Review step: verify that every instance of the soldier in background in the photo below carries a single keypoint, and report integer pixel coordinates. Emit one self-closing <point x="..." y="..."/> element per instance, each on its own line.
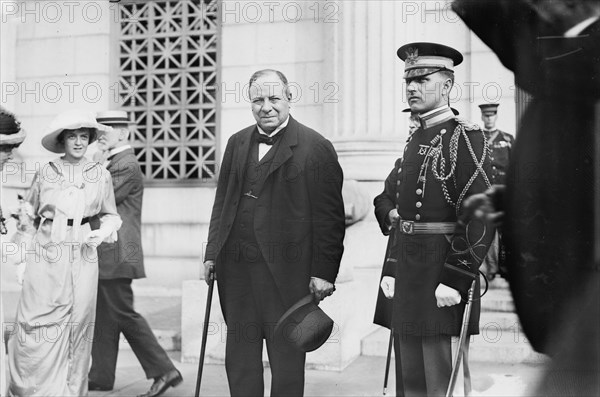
<point x="500" y="144"/>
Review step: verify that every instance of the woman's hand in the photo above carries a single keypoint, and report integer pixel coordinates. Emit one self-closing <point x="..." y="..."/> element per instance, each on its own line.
<point x="95" y="238"/>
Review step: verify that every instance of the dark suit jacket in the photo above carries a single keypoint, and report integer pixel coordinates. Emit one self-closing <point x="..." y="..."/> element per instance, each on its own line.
<point x="300" y="206"/>
<point x="125" y="258"/>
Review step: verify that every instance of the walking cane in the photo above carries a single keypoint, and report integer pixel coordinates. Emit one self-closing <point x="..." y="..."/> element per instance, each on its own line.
<point x="387" y="363"/>
<point x="461" y="342"/>
<point x="211" y="285"/>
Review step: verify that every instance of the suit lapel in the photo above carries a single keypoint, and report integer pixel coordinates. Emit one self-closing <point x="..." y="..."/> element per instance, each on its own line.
<point x="241" y="154"/>
<point x="284" y="152"/>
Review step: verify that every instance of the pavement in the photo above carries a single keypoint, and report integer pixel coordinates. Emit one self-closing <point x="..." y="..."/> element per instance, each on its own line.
<point x="363" y="377"/>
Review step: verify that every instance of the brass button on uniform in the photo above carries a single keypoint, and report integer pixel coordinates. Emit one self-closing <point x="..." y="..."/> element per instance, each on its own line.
<point x="419" y="204"/>
<point x="397" y="195"/>
<point x="419" y="192"/>
<point x="418" y="217"/>
<point x="398" y="183"/>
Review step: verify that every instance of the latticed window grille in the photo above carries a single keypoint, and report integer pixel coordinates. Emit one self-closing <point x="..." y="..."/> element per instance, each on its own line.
<point x="167" y="73"/>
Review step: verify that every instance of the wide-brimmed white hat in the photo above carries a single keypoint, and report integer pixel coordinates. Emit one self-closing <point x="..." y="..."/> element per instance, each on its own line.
<point x="70" y="120"/>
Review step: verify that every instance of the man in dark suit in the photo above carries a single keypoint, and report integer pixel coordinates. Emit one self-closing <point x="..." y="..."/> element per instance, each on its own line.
<point x="434" y="252"/>
<point x="119" y="264"/>
<point x="276" y="235"/>
<point x="550" y="204"/>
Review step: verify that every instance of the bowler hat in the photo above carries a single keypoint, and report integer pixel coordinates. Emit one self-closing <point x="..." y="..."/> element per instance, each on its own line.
<point x="69" y="120"/>
<point x="113" y="117"/>
<point x="304" y="326"/>
<point x="422" y="58"/>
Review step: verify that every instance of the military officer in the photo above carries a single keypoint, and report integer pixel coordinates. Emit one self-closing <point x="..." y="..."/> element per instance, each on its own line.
<point x="434" y="252"/>
<point x="500" y="144"/>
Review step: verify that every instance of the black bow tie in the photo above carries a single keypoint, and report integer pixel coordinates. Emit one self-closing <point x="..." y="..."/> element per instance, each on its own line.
<point x="269" y="140"/>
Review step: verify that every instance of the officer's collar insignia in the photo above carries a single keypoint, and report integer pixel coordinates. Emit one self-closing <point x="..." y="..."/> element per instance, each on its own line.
<point x="412" y="56"/>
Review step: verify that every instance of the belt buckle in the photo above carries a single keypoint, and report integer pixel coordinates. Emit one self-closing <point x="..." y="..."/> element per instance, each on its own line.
<point x="407" y="227"/>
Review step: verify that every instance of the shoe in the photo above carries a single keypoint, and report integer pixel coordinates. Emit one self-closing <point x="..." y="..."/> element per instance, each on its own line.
<point x="93" y="386"/>
<point x="162" y="383"/>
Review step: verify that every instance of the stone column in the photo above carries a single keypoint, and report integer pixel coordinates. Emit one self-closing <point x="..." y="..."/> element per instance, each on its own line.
<point x="366" y="117"/>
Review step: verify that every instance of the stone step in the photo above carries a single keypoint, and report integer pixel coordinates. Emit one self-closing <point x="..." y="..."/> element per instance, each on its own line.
<point x="499" y="320"/>
<point x="492" y="345"/>
<point x="497" y="300"/>
<point x="498" y="283"/>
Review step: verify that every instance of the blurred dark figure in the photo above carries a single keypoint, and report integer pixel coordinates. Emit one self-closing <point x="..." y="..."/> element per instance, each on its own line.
<point x="549" y="208"/>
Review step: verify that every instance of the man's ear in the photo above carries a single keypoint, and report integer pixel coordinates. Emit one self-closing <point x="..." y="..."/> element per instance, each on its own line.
<point x="448" y="86"/>
<point x="123" y="134"/>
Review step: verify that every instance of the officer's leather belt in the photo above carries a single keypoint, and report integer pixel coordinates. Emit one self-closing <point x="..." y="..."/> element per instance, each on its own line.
<point x="412" y="227"/>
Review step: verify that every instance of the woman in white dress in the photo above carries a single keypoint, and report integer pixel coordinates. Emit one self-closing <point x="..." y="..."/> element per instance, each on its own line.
<point x="11" y="136"/>
<point x="50" y="352"/>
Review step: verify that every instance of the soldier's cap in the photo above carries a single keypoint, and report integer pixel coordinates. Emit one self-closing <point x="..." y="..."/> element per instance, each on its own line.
<point x="113" y="117"/>
<point x="456" y="112"/>
<point x="489" y="108"/>
<point x="422" y="58"/>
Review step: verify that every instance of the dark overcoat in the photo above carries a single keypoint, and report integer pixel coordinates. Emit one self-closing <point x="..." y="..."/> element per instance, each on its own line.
<point x="299" y="219"/>
<point x="125" y="257"/>
<point x="550" y="205"/>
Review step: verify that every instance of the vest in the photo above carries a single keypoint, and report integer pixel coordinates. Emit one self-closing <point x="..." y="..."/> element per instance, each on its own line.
<point x="241" y="244"/>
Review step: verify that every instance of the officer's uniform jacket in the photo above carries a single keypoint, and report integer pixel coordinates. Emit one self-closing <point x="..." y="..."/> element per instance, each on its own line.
<point x="500" y="144"/>
<point x="444" y="161"/>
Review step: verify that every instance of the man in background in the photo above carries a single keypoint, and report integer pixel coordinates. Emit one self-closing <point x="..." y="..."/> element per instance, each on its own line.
<point x="119" y="264"/>
<point x="500" y="144"/>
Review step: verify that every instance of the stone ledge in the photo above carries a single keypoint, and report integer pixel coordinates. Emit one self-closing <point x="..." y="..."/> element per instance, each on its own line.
<point x="349" y="309"/>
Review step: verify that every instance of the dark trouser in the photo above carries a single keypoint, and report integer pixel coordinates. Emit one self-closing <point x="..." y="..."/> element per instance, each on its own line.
<point x="426" y="365"/>
<point x="253" y="307"/>
<point x="115" y="315"/>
